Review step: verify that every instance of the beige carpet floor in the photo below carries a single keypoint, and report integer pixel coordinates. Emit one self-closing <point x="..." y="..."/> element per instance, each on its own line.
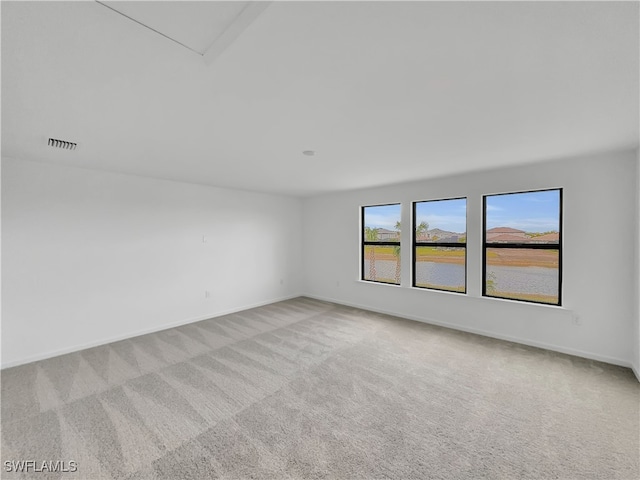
<point x="308" y="389"/>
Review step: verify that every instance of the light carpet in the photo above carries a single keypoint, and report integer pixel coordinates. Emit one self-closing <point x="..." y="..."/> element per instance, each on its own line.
<point x="309" y="389"/>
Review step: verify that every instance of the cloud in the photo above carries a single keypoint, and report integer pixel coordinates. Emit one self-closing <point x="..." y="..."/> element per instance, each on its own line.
<point x="375" y="220"/>
<point x="493" y="208"/>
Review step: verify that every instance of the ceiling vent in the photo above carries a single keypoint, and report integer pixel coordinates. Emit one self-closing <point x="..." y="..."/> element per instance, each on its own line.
<point x="54" y="142"/>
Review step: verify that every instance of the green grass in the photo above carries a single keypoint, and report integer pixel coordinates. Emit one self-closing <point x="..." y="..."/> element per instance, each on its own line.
<point x="379" y="250"/>
<point x="439" y="252"/>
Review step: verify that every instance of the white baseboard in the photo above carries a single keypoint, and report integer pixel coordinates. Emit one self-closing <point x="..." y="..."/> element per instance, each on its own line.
<point x="477" y="331"/>
<point x="636" y="371"/>
<point x="117" y="338"/>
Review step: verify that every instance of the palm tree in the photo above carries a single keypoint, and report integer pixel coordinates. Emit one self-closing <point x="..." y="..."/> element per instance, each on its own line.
<point x="420" y="229"/>
<point x="371" y="235"/>
<point x="396" y="252"/>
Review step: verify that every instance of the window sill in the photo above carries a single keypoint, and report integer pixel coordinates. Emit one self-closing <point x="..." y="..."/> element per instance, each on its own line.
<point x="435" y="290"/>
<point x="518" y="302"/>
<point x="379" y="283"/>
<point x="508" y="301"/>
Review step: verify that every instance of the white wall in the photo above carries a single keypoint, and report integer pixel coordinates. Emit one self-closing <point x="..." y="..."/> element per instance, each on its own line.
<point x="89" y="257"/>
<point x="636" y="336"/>
<point x="599" y="298"/>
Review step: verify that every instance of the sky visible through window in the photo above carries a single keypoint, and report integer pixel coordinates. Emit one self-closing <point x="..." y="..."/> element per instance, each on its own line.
<point x="383" y="216"/>
<point x="448" y="215"/>
<point x="532" y="211"/>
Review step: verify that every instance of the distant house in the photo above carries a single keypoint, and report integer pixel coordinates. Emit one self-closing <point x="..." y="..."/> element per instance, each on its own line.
<point x="387" y="235"/>
<point x="507" y="234"/>
<point x="439" y="235"/>
<point x="507" y="237"/>
<point x="450" y="239"/>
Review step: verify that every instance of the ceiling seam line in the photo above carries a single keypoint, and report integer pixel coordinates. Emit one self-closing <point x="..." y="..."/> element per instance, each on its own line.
<point x="235" y="19"/>
<point x="150" y="28"/>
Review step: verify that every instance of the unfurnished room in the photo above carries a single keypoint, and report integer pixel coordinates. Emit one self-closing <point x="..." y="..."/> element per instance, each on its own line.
<point x="320" y="239"/>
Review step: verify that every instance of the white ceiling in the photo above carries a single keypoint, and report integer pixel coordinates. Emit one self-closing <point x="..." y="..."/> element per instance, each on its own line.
<point x="194" y="24"/>
<point x="383" y="91"/>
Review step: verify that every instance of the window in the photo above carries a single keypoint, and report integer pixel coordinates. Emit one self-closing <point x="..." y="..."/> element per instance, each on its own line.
<point x="381" y="243"/>
<point x="522" y="246"/>
<point x="440" y="244"/>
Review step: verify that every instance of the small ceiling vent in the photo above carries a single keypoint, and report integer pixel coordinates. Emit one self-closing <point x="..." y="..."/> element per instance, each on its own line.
<point x="54" y="142"/>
